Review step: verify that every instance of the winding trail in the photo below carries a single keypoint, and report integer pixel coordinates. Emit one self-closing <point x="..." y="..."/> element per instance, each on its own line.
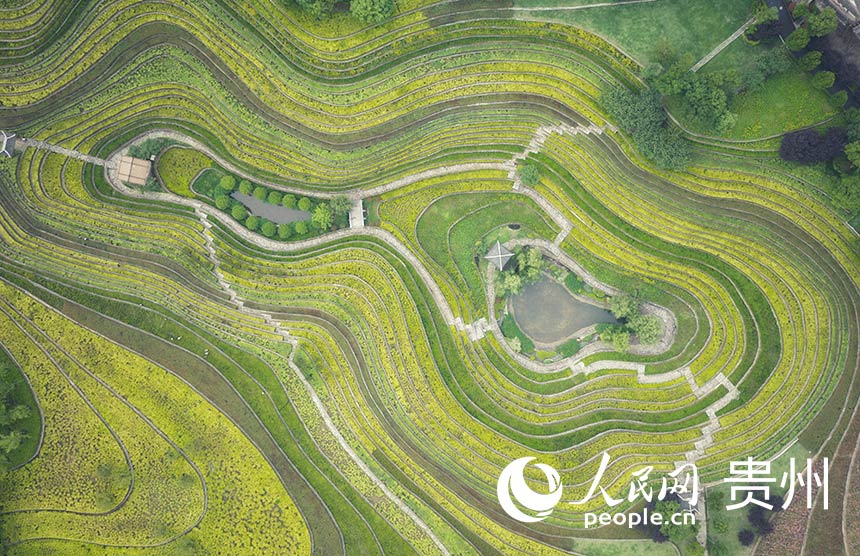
<point x="474" y="331"/>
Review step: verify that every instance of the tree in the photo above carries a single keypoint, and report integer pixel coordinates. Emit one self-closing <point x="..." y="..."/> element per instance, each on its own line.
<point x="822" y="23"/>
<point x="823" y="79"/>
<point x="807" y="146"/>
<point x="268" y="228"/>
<point x="288" y="201"/>
<point x="340" y="205"/>
<point x="624" y="305"/>
<point x="239" y="212"/>
<point x="773" y="62"/>
<point x="227" y="183"/>
<point x="839" y="98"/>
<point x="245" y="187"/>
<point x="252" y="222"/>
<point x="320" y="9"/>
<point x="284" y="231"/>
<point x="372" y="11"/>
<point x="322" y="217"/>
<point x="765" y="14"/>
<point x="260" y="192"/>
<point x="798" y="39"/>
<point x="852" y="153"/>
<point x="652" y="71"/>
<point x="852" y="121"/>
<point x="810" y="60"/>
<point x="647" y="328"/>
<point x="529" y="174"/>
<point x="516" y="344"/>
<point x="274" y="197"/>
<point x="300" y="227"/>
<point x="529" y="264"/>
<point x="746" y="537"/>
<point x="222" y="202"/>
<point x="304" y="204"/>
<point x="621" y="340"/>
<point x="800" y="11"/>
<point x="510" y="283"/>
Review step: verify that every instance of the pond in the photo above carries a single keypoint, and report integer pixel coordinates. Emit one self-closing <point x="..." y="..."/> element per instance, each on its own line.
<point x="548" y="314"/>
<point x="275" y="213"/>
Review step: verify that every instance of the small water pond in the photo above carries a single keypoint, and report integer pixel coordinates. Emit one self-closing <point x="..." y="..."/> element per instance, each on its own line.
<point x="275" y="213"/>
<point x="547" y="312"/>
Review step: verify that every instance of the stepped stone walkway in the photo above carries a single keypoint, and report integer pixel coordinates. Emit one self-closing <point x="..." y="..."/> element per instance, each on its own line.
<point x="478" y="329"/>
<point x="285" y="334"/>
<point x="45" y="146"/>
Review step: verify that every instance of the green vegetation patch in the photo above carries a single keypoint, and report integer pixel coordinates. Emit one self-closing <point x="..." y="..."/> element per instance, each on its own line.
<point x="20" y="421"/>
<point x="179" y="166"/>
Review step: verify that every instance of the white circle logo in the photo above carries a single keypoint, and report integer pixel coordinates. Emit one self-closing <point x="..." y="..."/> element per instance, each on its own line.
<point x="512" y="481"/>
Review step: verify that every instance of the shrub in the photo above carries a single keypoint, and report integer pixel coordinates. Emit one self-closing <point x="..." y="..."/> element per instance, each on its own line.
<point x="274" y="197"/>
<point x="222" y="202"/>
<point x="300" y="227"/>
<point x="239" y="212"/>
<point x="746" y="537"/>
<point x="304" y="204"/>
<point x="288" y="201"/>
<point x="246" y="187"/>
<point x="227" y="183"/>
<point x="252" y="222"/>
<point x="260" y="193"/>
<point x="284" y="231"/>
<point x="268" y="228"/>
<point x="569" y="348"/>
<point x="573" y="282"/>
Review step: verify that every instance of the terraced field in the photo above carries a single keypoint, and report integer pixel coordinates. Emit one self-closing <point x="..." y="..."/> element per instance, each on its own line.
<point x="207" y="390"/>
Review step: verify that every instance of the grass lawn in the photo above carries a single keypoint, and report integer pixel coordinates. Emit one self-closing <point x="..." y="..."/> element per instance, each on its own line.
<point x="207" y="182"/>
<point x="785" y="102"/>
<point x="637" y="28"/>
<point x="177" y="167"/>
<point x="736" y="520"/>
<point x="21" y="394"/>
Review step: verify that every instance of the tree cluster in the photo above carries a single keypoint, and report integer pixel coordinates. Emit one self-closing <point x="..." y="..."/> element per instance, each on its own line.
<point x="524" y="269"/>
<point x="808" y="146"/>
<point x="642" y="115"/>
<point x="12" y="412"/>
<point x="369" y="11"/>
<point x="627" y="308"/>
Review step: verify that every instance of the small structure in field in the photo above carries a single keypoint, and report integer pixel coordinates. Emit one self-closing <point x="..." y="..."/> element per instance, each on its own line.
<point x="499" y="255"/>
<point x="7" y="144"/>
<point x="134" y="170"/>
